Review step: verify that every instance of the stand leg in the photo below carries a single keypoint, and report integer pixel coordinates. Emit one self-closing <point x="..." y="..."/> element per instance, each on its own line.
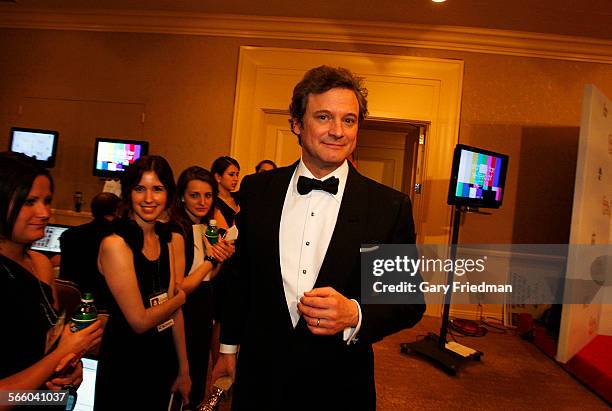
<point x="433" y="347"/>
<point x="429" y="348"/>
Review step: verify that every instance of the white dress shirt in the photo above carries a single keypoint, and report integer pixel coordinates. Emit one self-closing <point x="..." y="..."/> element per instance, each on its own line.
<point x="306" y="227"/>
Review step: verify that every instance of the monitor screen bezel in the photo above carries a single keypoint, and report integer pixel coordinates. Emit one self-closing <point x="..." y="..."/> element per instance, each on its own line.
<point x="49" y="163"/>
<point x="475" y="202"/>
<point x="109" y="173"/>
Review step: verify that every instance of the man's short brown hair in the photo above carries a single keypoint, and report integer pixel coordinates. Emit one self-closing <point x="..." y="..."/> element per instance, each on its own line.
<point x="321" y="79"/>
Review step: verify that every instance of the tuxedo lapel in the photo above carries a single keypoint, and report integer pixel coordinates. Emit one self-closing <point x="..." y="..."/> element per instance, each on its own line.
<point x="271" y="213"/>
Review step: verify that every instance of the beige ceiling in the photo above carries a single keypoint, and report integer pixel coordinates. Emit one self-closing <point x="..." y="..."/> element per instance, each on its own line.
<point x="588" y="18"/>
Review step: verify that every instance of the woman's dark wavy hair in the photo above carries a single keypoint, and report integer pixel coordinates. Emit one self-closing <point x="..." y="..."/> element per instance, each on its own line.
<point x="178" y="213"/>
<point x="222" y="163"/>
<point x="133" y="174"/>
<point x="321" y="79"/>
<point x="17" y="174"/>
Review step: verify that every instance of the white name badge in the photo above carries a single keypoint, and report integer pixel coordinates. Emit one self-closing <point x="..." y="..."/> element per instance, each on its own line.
<point x="157" y="300"/>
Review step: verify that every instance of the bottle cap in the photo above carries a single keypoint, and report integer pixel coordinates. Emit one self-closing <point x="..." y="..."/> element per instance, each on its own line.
<point x="87" y="298"/>
<point x="212" y="222"/>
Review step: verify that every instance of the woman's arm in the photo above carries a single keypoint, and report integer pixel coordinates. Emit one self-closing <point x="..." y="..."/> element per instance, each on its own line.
<point x="221" y="251"/>
<point x="193" y="280"/>
<point x="177" y="258"/>
<point x="37" y="374"/>
<point x="116" y="263"/>
<point x="70" y="345"/>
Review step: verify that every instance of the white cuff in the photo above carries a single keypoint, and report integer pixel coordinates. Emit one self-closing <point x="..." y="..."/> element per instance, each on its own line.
<point x="350" y="333"/>
<point x="228" y="349"/>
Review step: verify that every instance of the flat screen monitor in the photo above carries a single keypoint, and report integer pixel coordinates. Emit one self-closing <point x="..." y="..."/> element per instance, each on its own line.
<point x="112" y="156"/>
<point x="38" y="144"/>
<point x="478" y="177"/>
<point x="50" y="243"/>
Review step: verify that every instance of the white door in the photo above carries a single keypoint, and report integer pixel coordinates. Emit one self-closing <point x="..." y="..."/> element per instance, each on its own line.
<point x="280" y="144"/>
<point x="392" y="154"/>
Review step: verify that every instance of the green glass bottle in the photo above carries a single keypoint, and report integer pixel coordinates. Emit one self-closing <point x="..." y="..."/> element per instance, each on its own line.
<point x="211" y="233"/>
<point x="85" y="314"/>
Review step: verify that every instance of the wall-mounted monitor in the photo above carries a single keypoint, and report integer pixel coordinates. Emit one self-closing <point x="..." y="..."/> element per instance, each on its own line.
<point x="113" y="156"/>
<point x="478" y="177"/>
<point x="38" y="144"/>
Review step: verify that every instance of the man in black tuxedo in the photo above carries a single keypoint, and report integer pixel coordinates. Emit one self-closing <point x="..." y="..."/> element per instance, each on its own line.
<point x="80" y="244"/>
<point x="304" y="338"/>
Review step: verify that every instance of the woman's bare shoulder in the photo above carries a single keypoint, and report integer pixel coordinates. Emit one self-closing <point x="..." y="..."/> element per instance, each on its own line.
<point x="113" y="241"/>
<point x="43" y="269"/>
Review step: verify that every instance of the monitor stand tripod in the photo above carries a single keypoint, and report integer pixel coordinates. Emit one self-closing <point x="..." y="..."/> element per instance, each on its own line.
<point x="449" y="357"/>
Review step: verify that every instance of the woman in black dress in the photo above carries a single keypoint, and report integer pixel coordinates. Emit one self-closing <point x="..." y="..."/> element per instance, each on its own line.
<point x="143" y="357"/>
<point x="190" y="213"/>
<point x="32" y="353"/>
<point x="226" y="171"/>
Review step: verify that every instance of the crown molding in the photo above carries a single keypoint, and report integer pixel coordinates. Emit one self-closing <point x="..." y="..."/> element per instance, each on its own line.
<point x="477" y="40"/>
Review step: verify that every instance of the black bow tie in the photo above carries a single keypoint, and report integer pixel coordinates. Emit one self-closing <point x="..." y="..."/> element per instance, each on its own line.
<point x="305" y="185"/>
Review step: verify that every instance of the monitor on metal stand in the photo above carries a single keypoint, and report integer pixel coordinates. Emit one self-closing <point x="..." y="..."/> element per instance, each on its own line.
<point x="477" y="181"/>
